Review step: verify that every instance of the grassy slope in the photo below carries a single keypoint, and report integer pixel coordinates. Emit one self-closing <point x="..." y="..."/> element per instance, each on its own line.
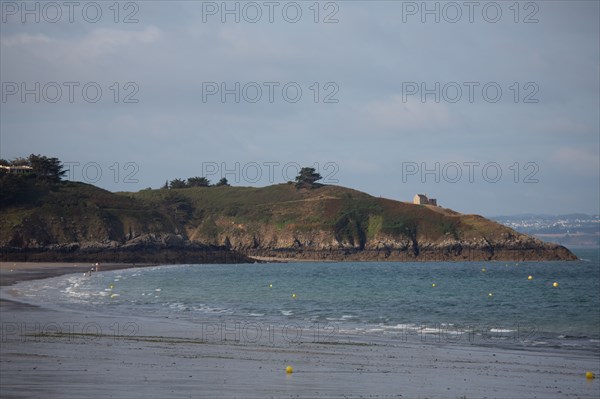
<point x="71" y="211"/>
<point x="251" y="217"/>
<point x="351" y="215"/>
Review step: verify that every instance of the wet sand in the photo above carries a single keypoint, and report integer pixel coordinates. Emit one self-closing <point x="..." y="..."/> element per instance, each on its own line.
<point x="13" y="272"/>
<point x="66" y="354"/>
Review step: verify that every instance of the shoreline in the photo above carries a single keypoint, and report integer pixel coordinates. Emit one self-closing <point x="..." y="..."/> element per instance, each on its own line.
<point x="57" y="353"/>
<point x="14" y="272"/>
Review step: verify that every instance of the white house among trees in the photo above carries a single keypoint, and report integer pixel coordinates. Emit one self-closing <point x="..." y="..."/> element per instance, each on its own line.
<point x="17" y="170"/>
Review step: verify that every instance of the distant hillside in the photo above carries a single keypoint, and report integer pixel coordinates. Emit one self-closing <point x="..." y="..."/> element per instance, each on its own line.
<point x="279" y="221"/>
<point x="575" y="230"/>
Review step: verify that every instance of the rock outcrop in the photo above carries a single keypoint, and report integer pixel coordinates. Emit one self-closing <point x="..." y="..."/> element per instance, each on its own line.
<point x="79" y="222"/>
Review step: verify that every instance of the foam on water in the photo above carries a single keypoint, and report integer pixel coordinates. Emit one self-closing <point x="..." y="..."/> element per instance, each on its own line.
<point x="395" y="299"/>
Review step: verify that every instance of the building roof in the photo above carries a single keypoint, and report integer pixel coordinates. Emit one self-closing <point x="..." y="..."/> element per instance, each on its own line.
<point x="18" y="167"/>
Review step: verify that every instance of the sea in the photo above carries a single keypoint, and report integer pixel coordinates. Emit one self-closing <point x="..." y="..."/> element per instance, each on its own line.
<point x="508" y="304"/>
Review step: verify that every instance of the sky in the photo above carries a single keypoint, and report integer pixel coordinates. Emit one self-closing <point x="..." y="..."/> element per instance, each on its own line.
<point x="490" y="107"/>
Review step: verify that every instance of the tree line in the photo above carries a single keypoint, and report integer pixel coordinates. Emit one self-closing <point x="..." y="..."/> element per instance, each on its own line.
<point x="43" y="168"/>
<point x="50" y="169"/>
<point x="307" y="178"/>
<point x="193" y="182"/>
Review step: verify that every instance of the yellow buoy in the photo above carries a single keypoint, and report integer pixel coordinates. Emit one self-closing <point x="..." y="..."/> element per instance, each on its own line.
<point x="433" y="285"/>
<point x="589" y="375"/>
<point x="483" y="270"/>
<point x="555" y="284"/>
<point x="529" y="277"/>
<point x="293" y="295"/>
<point x="490" y="294"/>
<point x="289" y="370"/>
<point x="270" y="285"/>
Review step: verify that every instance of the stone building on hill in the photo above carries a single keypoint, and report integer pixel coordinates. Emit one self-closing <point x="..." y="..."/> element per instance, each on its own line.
<point x="421" y="199"/>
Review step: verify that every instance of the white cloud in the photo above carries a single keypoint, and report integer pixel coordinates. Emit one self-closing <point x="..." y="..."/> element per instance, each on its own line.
<point x="580" y="161"/>
<point x="105" y="41"/>
<point x="410" y="115"/>
<point x="24" y="39"/>
<point x="239" y="42"/>
<point x="75" y="50"/>
<point x="559" y="125"/>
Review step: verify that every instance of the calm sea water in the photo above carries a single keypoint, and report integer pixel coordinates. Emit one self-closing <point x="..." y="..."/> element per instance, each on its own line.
<point x="492" y="299"/>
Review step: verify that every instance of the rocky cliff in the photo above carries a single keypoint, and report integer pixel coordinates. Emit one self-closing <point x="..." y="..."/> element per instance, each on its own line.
<point x="75" y="221"/>
<point x="79" y="222"/>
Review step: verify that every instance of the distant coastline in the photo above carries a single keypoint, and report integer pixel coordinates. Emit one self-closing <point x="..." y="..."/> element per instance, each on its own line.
<point x="577" y="230"/>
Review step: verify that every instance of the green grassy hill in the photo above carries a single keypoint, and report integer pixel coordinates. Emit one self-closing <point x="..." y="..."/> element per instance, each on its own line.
<point x="76" y="212"/>
<point x="279" y="221"/>
<point x="331" y="222"/>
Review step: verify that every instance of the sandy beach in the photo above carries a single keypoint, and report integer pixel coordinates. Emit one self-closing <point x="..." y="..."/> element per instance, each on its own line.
<point x="54" y="353"/>
<point x="13" y="272"/>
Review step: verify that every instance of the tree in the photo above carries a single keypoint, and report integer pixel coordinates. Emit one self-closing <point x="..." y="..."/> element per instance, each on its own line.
<point x="198" y="182"/>
<point x="45" y="168"/>
<point x="13" y="189"/>
<point x="178" y="183"/>
<point x="166" y="185"/>
<point x="222" y="182"/>
<point x="307" y="178"/>
<point x="20" y="161"/>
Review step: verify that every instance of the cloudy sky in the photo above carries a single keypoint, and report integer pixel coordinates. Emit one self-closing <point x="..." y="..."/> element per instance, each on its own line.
<point x="492" y="108"/>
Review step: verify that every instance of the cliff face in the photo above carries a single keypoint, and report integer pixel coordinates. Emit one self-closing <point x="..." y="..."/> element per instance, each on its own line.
<point x="222" y="224"/>
<point x="80" y="222"/>
<point x="324" y="245"/>
<point x="365" y="243"/>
